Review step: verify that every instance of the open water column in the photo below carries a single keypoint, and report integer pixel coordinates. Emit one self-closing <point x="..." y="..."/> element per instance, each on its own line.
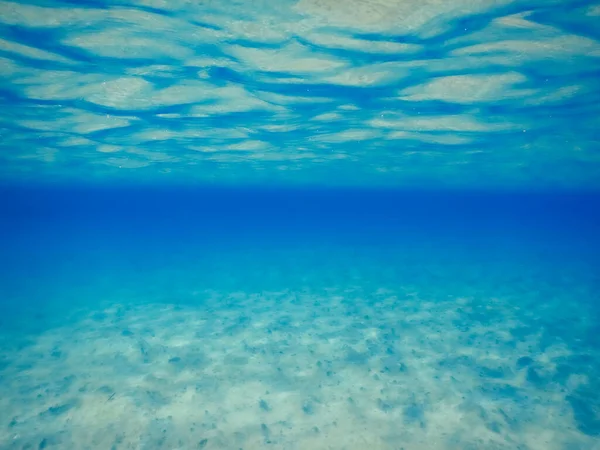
<point x="300" y="225"/>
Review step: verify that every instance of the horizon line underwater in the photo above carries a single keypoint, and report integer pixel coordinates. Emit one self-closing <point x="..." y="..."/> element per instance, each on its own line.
<point x="302" y="224"/>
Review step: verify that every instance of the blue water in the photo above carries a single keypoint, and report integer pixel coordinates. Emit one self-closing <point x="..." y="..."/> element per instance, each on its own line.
<point x="165" y="318"/>
<point x="300" y="225"/>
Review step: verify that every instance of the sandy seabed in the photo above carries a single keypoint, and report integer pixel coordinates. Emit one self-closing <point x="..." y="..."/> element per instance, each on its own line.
<point x="337" y="368"/>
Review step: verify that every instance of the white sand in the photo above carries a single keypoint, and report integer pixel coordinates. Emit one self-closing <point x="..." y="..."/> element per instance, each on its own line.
<point x="330" y="369"/>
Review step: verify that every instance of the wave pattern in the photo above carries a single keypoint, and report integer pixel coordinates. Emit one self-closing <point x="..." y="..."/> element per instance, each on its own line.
<point x="392" y="92"/>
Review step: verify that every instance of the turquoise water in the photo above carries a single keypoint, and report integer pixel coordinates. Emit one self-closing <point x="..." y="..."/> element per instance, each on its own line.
<point x="300" y="225"/>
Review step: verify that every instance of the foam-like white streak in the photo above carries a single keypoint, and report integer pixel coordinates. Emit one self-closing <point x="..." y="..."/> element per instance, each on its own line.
<point x="151" y="134"/>
<point x="327" y="117"/>
<point x="370" y="74"/>
<point x="57" y="85"/>
<point x="151" y="156"/>
<point x="245" y="105"/>
<point x="86" y="144"/>
<point x="14" y="13"/>
<point x="119" y="93"/>
<point x="158" y="135"/>
<point x="154" y="70"/>
<point x="290" y="80"/>
<point x="31" y="52"/>
<point x="129" y="33"/>
<point x="137" y="93"/>
<point x="292" y="58"/>
<point x="231" y="99"/>
<point x="124" y="43"/>
<point x="287" y="155"/>
<point x="439" y="123"/>
<point x="76" y="141"/>
<point x="108" y="148"/>
<point x="126" y="92"/>
<point x="343" y="42"/>
<point x="87" y="122"/>
<point x="76" y="121"/>
<point x="165" y="5"/>
<point x="185" y="92"/>
<point x="249" y="145"/>
<point x="470" y="88"/>
<point x="423" y="17"/>
<point x="8" y="68"/>
<point x="347" y="136"/>
<point x="445" y="139"/>
<point x="482" y="62"/>
<point x="47" y="155"/>
<point x="286" y="100"/>
<point x="280" y="128"/>
<point x="263" y="30"/>
<point x="206" y="62"/>
<point x="555" y="47"/>
<point x="516" y="22"/>
<point x="555" y="95"/>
